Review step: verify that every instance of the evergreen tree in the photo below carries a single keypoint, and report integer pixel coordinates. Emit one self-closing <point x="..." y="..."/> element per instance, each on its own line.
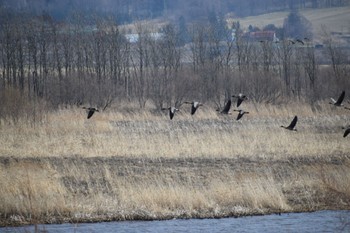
<point x="183" y="32"/>
<point x="297" y="26"/>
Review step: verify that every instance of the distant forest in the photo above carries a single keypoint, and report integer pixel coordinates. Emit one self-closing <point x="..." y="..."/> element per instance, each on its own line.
<point x="130" y="10"/>
<point x="51" y="55"/>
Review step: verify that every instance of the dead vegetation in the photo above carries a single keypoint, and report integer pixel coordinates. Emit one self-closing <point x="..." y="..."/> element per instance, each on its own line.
<point x="79" y="189"/>
<point x="122" y="165"/>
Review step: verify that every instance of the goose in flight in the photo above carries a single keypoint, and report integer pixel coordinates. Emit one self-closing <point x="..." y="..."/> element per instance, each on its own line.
<point x="172" y="111"/>
<point x="195" y="106"/>
<point x="292" y="124"/>
<point x="300" y="41"/>
<point x="240" y="97"/>
<point x="90" y="111"/>
<point x="226" y="109"/>
<point x="240" y="113"/>
<point x="338" y="103"/>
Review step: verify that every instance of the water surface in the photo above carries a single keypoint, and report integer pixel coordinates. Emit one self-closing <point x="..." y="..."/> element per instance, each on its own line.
<point x="320" y="221"/>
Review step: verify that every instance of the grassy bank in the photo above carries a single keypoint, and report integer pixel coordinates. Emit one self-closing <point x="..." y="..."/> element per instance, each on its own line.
<point x="127" y="164"/>
<point x="93" y="189"/>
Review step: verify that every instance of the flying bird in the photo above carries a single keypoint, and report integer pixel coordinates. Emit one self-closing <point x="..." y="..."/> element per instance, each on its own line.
<point x="226" y="109"/>
<point x="172" y="111"/>
<point x="300" y="41"/>
<point x="240" y="97"/>
<point x="90" y="111"/>
<point x="347" y="131"/>
<point x="338" y="103"/>
<point x="240" y="113"/>
<point x="292" y="124"/>
<point x="195" y="106"/>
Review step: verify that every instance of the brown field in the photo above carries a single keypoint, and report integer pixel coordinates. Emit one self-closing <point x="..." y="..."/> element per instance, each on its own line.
<point x="126" y="163"/>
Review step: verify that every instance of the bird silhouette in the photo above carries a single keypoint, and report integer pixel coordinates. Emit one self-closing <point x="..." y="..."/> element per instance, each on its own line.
<point x="172" y="111"/>
<point x="90" y="111"/>
<point x="291" y="126"/>
<point x="338" y="103"/>
<point x="240" y="113"/>
<point x="300" y="41"/>
<point x="226" y="109"/>
<point x="195" y="106"/>
<point x="240" y="97"/>
<point x="347" y="131"/>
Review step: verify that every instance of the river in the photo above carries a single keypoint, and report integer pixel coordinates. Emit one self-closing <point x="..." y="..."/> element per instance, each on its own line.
<point x="320" y="221"/>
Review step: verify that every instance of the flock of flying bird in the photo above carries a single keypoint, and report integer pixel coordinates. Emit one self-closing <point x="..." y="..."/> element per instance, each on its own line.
<point x="226" y="110"/>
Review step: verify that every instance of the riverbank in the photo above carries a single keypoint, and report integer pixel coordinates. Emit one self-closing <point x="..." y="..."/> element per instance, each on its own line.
<point x="76" y="189"/>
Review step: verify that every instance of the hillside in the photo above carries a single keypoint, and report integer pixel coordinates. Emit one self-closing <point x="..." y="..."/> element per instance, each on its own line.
<point x="334" y="19"/>
<point x="191" y="10"/>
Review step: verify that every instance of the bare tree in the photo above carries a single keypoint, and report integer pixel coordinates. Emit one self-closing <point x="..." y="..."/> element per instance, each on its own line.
<point x="198" y="45"/>
<point x="310" y="65"/>
<point x="336" y="55"/>
<point x="243" y="52"/>
<point x="165" y="65"/>
<point x="140" y="61"/>
<point x="267" y="53"/>
<point x="285" y="52"/>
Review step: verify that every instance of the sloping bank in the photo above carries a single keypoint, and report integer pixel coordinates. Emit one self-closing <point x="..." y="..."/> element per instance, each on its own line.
<point x="77" y="189"/>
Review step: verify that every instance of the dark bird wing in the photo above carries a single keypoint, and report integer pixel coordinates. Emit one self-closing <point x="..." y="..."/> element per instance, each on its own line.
<point x="193" y="109"/>
<point x="172" y="111"/>
<point x="347" y="131"/>
<point x="239" y="116"/>
<point x="341" y="98"/>
<point x="293" y="123"/>
<point x="90" y="113"/>
<point x="300" y="41"/>
<point x="239" y="101"/>
<point x="171" y="114"/>
<point x="227" y="107"/>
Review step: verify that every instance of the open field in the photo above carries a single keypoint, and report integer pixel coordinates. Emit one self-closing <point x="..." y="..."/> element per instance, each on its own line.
<point x="128" y="131"/>
<point x="134" y="164"/>
<point x="334" y="19"/>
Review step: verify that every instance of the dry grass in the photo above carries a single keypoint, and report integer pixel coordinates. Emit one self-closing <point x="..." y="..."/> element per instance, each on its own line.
<point x="141" y="165"/>
<point x="92" y="189"/>
<point x="206" y="134"/>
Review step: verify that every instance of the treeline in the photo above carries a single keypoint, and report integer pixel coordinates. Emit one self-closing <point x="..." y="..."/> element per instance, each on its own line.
<point x="76" y="63"/>
<point x="129" y="11"/>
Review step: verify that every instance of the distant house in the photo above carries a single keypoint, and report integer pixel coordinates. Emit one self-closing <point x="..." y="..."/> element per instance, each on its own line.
<point x="261" y="36"/>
